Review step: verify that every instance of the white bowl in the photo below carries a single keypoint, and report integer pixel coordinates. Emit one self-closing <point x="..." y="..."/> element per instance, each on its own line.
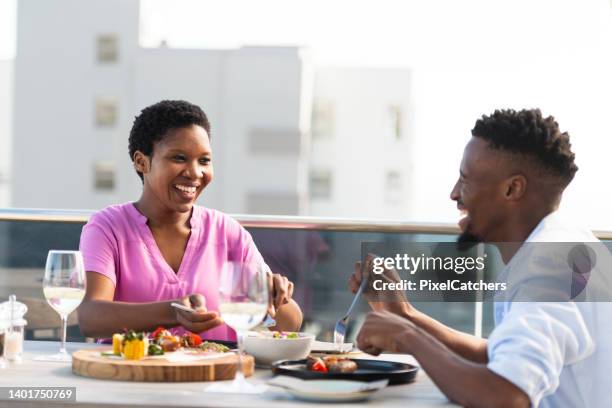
<point x="266" y="349"/>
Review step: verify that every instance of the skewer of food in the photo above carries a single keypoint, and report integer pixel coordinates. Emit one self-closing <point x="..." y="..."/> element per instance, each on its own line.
<point x="133" y="345"/>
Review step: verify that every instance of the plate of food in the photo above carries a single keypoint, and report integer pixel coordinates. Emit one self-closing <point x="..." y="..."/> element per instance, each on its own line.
<point x="161" y="343"/>
<point x="160" y="356"/>
<point x="339" y="367"/>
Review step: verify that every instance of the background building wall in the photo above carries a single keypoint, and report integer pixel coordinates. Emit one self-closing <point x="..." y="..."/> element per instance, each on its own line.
<point x="58" y="80"/>
<point x="362" y="137"/>
<point x="82" y="78"/>
<point x="74" y="112"/>
<point x="6" y="119"/>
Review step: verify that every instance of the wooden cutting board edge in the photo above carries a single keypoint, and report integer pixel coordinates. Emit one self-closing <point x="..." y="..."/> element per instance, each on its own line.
<point x="87" y="364"/>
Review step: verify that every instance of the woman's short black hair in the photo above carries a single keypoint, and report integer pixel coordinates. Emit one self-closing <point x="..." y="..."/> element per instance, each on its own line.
<point x="527" y="132"/>
<point x="156" y="120"/>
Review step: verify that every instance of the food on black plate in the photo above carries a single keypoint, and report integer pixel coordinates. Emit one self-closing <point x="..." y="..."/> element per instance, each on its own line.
<point x="340" y="364"/>
<point x="316" y="364"/>
<point x="331" y="364"/>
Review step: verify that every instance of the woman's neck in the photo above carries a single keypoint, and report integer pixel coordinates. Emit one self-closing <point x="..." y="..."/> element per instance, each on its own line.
<point x="159" y="216"/>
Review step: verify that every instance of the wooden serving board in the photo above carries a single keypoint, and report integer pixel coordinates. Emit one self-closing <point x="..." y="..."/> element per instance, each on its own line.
<point x="89" y="363"/>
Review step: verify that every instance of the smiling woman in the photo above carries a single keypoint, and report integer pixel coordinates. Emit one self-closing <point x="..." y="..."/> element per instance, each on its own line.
<point x="179" y="171"/>
<point x="140" y="257"/>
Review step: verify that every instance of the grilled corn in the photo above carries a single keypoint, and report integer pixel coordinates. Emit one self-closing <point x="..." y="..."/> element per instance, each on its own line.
<point x="117" y="343"/>
<point x="135" y="346"/>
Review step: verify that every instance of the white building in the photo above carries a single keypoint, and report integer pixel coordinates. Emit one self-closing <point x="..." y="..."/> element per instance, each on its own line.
<point x="81" y="77"/>
<point x="260" y="119"/>
<point x="361" y="137"/>
<point x="72" y="101"/>
<point x="6" y="116"/>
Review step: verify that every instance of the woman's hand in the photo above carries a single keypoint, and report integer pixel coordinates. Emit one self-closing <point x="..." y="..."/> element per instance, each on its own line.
<point x="280" y="292"/>
<point x="393" y="301"/>
<point x="200" y="321"/>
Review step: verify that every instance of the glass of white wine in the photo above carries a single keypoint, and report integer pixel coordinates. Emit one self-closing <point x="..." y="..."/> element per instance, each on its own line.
<point x="64" y="289"/>
<point x="243" y="303"/>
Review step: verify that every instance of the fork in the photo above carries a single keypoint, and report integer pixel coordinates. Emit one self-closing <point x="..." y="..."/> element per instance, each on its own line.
<point x="268" y="321"/>
<point x="340" y="327"/>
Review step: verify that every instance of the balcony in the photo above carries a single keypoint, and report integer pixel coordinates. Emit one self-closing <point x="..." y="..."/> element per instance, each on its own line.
<point x="316" y="254"/>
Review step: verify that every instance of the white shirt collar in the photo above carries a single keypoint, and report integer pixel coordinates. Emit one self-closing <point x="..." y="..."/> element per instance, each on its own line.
<point x="549" y="220"/>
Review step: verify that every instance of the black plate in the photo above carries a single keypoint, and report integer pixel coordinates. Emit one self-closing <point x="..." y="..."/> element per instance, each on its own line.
<point x="367" y="370"/>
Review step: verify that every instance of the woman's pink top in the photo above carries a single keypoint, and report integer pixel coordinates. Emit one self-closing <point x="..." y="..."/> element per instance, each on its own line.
<point x="117" y="243"/>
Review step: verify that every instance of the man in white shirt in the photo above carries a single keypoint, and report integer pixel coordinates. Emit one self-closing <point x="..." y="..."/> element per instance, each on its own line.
<point x="544" y="354"/>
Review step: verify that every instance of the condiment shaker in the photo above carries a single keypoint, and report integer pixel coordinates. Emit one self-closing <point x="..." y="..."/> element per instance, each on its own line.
<point x="14" y="328"/>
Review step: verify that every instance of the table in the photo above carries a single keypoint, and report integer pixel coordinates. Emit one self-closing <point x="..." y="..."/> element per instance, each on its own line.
<point x="103" y="393"/>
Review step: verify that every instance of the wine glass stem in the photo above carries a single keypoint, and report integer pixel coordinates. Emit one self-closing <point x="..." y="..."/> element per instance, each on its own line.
<point x="240" y="341"/>
<point x="63" y="343"/>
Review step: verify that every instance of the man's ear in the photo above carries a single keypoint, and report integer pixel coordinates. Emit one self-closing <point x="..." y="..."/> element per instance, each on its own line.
<point x="142" y="162"/>
<point x="516" y="187"/>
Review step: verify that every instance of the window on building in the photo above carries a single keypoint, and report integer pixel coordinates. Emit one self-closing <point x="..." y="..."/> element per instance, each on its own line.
<point x="106" y="111"/>
<point x="395" y="121"/>
<point x="323" y="119"/>
<point x="273" y="202"/>
<point x="104" y="175"/>
<point x="320" y="184"/>
<point x="275" y="140"/>
<point x="393" y="187"/>
<point x="107" y="46"/>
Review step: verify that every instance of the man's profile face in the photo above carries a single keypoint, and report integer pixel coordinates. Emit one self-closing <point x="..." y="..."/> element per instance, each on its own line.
<point x="479" y="192"/>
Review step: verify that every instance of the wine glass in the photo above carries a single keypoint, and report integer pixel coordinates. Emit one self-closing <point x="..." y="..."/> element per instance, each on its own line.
<point x="64" y="289"/>
<point x="243" y="303"/>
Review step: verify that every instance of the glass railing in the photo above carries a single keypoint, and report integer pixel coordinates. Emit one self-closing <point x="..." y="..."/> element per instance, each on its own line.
<point x="316" y="254"/>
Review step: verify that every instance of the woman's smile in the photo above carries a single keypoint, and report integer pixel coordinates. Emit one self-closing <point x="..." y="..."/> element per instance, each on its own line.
<point x="187" y="192"/>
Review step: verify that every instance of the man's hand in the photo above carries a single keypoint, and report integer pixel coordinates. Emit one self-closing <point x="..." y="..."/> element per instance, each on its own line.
<point x="280" y="292"/>
<point x="200" y="321"/>
<point x="385" y="331"/>
<point x="393" y="301"/>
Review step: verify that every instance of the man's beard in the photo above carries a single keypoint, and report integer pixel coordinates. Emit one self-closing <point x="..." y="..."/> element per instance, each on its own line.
<point x="467" y="241"/>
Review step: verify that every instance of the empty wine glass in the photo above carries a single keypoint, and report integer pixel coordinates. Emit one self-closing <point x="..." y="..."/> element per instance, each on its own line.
<point x="243" y="302"/>
<point x="64" y="289"/>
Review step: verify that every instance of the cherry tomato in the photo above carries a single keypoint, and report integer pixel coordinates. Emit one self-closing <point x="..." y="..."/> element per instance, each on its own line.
<point x="319" y="366"/>
<point x="192" y="340"/>
<point x="157" y="331"/>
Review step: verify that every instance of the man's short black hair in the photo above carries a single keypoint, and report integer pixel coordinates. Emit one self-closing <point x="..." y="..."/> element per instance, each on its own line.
<point x="527" y="132"/>
<point x="156" y="120"/>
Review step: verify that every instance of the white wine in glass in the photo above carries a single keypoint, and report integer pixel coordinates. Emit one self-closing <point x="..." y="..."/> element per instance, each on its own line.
<point x="64" y="300"/>
<point x="243" y="303"/>
<point x="64" y="289"/>
<point x="242" y="315"/>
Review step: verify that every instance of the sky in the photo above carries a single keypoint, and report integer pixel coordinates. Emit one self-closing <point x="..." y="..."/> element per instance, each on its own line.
<point x="381" y="32"/>
<point x="468" y="58"/>
<point x="8" y="25"/>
